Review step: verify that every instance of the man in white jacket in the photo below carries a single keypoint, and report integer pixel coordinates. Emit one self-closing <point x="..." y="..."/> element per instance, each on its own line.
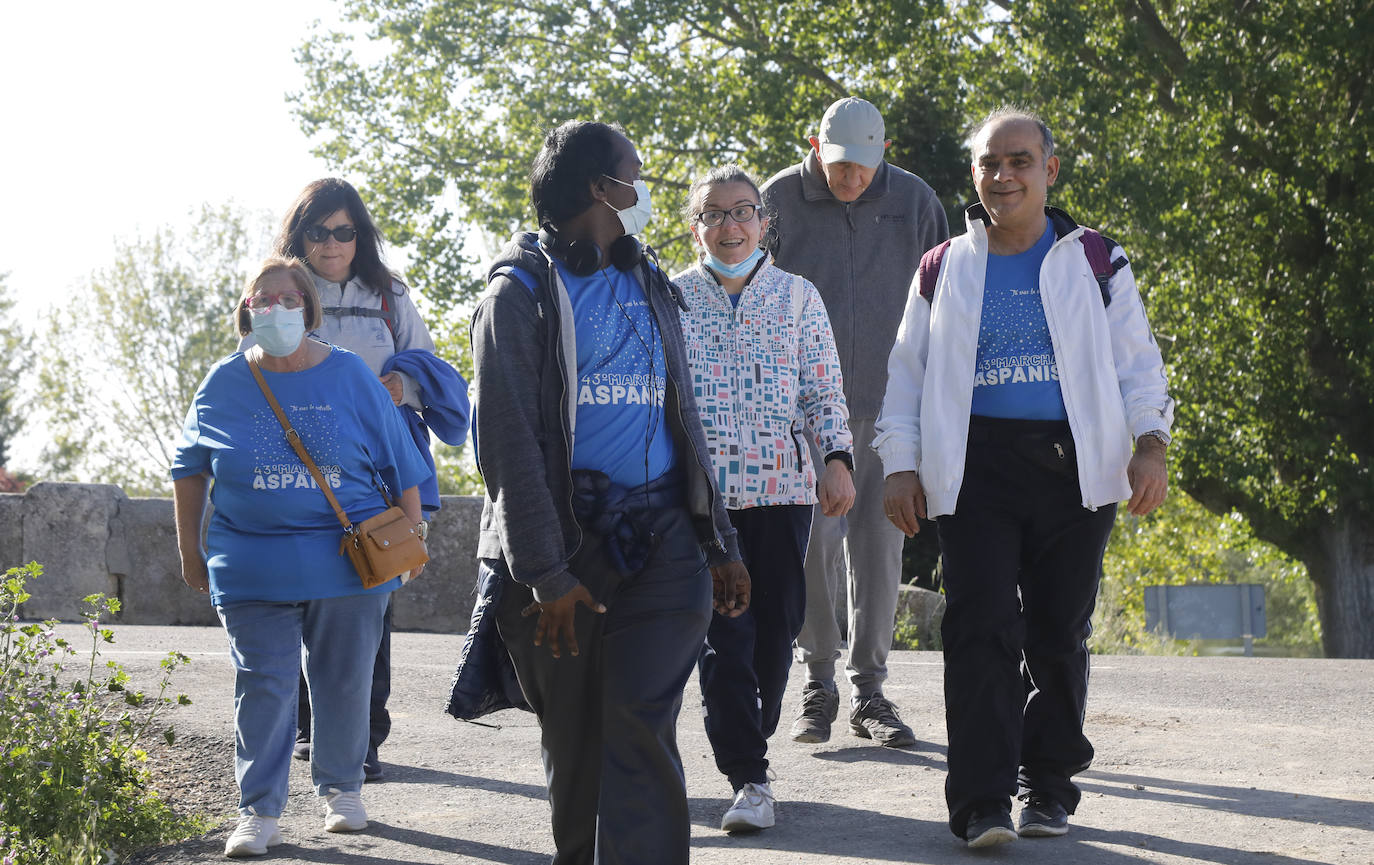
<point x="1023" y="370"/>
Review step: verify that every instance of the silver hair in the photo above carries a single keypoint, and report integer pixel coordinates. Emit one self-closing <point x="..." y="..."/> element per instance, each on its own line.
<point x="1011" y="111"/>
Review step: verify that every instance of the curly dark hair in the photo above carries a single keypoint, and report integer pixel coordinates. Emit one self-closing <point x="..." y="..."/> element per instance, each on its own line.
<point x="574" y="154"/>
<point x="314" y="205"/>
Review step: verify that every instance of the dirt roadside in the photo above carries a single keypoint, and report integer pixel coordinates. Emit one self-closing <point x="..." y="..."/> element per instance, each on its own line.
<point x="1199" y="760"/>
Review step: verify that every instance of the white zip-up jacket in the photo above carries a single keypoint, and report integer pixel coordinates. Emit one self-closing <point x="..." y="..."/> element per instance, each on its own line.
<point x="1111" y="373"/>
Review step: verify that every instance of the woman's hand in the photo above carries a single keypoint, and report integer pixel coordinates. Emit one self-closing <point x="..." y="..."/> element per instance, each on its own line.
<point x="413" y="573"/>
<point x="195" y="574"/>
<point x="731" y="589"/>
<point x="188" y="502"/>
<point x="392" y="382"/>
<point x="836" y="489"/>
<point x="557" y="619"/>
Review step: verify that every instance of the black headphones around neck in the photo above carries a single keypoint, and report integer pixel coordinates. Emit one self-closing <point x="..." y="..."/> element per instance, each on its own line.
<point x="583" y="257"/>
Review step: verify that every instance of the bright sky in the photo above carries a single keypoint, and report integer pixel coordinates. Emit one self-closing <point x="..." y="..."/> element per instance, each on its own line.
<point x="120" y="117"/>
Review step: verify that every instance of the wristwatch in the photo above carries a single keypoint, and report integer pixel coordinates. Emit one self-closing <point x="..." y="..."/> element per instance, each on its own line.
<point x="843" y="456"/>
<point x="422" y="529"/>
<point x="1164" y="438"/>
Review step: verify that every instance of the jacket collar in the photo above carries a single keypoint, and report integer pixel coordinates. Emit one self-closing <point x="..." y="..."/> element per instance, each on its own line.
<point x="1061" y="222"/>
<point x="814" y="187"/>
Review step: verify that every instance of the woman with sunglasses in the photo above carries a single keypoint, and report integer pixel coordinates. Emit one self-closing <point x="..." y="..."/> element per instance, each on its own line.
<point x="270" y="560"/>
<point x="766" y="371"/>
<point x="368" y="310"/>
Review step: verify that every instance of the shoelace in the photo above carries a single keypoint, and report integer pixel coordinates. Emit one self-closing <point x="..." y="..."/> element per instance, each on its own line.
<point x="882" y="710"/>
<point x="757" y="795"/>
<point x="814" y="700"/>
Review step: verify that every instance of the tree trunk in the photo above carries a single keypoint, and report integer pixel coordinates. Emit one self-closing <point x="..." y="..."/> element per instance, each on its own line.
<point x="1343" y="573"/>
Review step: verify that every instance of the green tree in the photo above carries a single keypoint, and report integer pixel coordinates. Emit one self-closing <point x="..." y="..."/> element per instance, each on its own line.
<point x="138" y="344"/>
<point x="1225" y="142"/>
<point x="444" y="124"/>
<point x="1184" y="543"/>
<point x="1228" y="144"/>
<point x="15" y="359"/>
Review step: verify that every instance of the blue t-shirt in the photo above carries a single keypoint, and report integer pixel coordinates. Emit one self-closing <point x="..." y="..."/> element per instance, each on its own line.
<point x="273" y="536"/>
<point x="1016" y="375"/>
<point x="621" y="379"/>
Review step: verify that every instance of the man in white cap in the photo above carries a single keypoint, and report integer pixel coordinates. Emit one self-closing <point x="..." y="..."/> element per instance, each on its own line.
<point x="856" y="226"/>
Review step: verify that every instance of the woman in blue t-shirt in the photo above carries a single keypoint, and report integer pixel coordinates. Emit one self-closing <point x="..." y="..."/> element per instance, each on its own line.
<point x="271" y="560"/>
<point x="368" y="310"/>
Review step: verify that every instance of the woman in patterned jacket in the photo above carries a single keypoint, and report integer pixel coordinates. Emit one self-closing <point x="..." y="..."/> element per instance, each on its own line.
<point x="765" y="369"/>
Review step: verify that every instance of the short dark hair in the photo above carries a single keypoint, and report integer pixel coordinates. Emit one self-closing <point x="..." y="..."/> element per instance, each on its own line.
<point x="573" y="155"/>
<point x="1011" y="111"/>
<point x="317" y="201"/>
<point x="299" y="272"/>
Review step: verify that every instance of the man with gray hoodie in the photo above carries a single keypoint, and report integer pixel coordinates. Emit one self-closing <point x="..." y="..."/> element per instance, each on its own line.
<point x="856" y="226"/>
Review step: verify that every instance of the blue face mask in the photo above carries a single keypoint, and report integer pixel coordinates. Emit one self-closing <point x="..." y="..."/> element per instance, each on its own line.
<point x="733" y="271"/>
<point x="279" y="330"/>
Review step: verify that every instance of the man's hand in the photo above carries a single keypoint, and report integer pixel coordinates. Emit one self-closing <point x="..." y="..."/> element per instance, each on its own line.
<point x="836" y="489"/>
<point x="904" y="501"/>
<point x="730" y="588"/>
<point x="557" y="619"/>
<point x="394" y="386"/>
<point x="1148" y="472"/>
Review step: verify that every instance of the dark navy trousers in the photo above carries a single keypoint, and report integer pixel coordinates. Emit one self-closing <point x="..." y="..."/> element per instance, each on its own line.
<point x="744" y="664"/>
<point x="1022" y="562"/>
<point x="608" y="716"/>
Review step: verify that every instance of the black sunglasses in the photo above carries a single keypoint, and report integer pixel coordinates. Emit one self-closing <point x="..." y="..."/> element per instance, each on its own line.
<point x="319" y="234"/>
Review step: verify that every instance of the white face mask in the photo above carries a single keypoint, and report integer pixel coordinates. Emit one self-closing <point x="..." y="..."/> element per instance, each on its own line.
<point x="279" y="330"/>
<point x="635" y="218"/>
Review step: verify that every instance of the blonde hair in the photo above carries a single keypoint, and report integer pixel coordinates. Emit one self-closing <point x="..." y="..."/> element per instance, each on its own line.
<point x="299" y="272"/>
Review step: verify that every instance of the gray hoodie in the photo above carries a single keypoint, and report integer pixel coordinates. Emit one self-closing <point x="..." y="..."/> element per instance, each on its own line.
<point x="861" y="256"/>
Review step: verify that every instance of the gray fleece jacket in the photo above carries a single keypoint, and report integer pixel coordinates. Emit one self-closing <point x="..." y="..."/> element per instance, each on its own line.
<point x="524" y="358"/>
<point x="861" y="256"/>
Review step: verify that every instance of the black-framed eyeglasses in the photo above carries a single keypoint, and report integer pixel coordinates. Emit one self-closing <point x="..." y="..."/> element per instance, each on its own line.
<point x="740" y="213"/>
<point x="319" y="234"/>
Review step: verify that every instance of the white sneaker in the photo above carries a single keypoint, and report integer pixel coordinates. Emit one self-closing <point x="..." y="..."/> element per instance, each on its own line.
<point x="751" y="810"/>
<point x="252" y="836"/>
<point x="344" y="812"/>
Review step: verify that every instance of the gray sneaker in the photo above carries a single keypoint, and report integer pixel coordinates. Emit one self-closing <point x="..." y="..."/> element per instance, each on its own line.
<point x="876" y="718"/>
<point x="820" y="706"/>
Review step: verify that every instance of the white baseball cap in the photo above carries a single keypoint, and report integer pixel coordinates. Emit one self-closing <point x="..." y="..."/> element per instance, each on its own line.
<point x="852" y="131"/>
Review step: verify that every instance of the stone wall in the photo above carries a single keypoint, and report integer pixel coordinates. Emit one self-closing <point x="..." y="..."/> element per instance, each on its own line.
<point x="92" y="538"/>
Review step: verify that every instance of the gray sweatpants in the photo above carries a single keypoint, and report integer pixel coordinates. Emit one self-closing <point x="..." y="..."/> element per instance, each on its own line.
<point x="871" y="547"/>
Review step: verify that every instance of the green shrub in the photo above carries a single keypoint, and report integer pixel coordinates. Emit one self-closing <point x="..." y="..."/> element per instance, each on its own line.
<point x="1184" y="543"/>
<point x="73" y="784"/>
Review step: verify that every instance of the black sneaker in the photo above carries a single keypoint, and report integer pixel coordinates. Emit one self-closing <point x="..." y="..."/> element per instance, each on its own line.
<point x="372" y="766"/>
<point x="876" y="718"/>
<point x="988" y="827"/>
<point x="301" y="750"/>
<point x="819" y="708"/>
<point x="1042" y="817"/>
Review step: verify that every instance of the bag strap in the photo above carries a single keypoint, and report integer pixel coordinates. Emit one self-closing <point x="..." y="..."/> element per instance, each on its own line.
<point x="798" y="301"/>
<point x="929" y="271"/>
<point x="1099" y="259"/>
<point x="294" y="439"/>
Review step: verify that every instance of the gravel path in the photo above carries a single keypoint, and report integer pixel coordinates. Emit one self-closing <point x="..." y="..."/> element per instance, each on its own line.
<point x="1231" y="761"/>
